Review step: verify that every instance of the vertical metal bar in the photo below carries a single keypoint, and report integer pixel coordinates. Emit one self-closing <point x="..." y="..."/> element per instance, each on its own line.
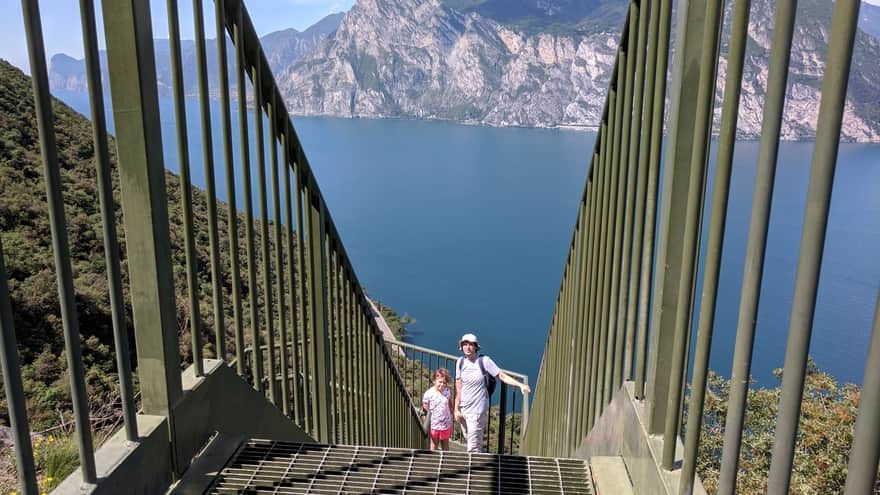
<point x="758" y="225"/>
<point x="657" y="99"/>
<point x="607" y="242"/>
<point x="693" y="213"/>
<point x="637" y="155"/>
<point x="318" y="294"/>
<point x="617" y="218"/>
<point x="627" y="140"/>
<point x="502" y="417"/>
<point x="192" y="283"/>
<point x="598" y="246"/>
<point x="831" y="107"/>
<point x="58" y="225"/>
<point x="232" y="210"/>
<point x="247" y="187"/>
<point x="347" y="411"/>
<point x="862" y="469"/>
<point x="671" y="256"/>
<point x="108" y="217"/>
<point x="512" y="423"/>
<point x="720" y="196"/>
<point x="349" y="359"/>
<point x="582" y="370"/>
<point x="293" y="299"/>
<point x="306" y="322"/>
<point x="208" y="157"/>
<point x="12" y="385"/>
<point x="132" y="70"/>
<point x="333" y="332"/>
<point x="574" y="396"/>
<point x="268" y="310"/>
<point x="279" y="265"/>
<point x="524" y="421"/>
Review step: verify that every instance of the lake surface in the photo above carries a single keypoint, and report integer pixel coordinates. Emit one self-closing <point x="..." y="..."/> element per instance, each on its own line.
<point x="467" y="228"/>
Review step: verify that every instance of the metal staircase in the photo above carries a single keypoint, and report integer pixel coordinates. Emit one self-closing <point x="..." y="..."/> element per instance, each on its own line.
<point x="307" y="363"/>
<point x="262" y="466"/>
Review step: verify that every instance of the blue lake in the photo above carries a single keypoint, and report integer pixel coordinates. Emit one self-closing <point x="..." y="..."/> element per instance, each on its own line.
<point x="467" y="228"/>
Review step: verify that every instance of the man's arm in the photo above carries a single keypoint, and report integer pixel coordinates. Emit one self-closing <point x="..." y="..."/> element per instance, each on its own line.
<point x="457" y="399"/>
<point x="504" y="377"/>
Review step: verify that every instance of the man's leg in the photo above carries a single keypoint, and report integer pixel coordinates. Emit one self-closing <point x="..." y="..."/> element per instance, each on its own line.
<point x="476" y="424"/>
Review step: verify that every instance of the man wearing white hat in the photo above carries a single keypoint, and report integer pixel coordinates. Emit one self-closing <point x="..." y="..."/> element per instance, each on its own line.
<point x="471" y="389"/>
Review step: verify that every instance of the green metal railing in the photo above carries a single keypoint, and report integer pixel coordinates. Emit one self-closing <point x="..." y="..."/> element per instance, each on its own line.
<point x="602" y="332"/>
<point x="328" y="371"/>
<point x="505" y="424"/>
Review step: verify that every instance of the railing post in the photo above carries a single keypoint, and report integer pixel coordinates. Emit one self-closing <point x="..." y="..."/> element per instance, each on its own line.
<point x="671" y="257"/>
<point x="14" y="391"/>
<point x="127" y="26"/>
<point x="315" y="218"/>
<point x="502" y="416"/>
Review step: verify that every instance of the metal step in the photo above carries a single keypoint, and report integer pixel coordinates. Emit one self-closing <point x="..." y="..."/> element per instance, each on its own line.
<point x="610" y="476"/>
<point x="262" y="466"/>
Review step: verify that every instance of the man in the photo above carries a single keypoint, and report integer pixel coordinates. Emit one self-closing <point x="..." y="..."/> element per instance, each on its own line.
<point x="471" y="393"/>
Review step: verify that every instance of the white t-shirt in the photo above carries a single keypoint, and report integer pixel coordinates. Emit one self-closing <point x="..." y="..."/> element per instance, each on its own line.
<point x="438" y="404"/>
<point x="474" y="396"/>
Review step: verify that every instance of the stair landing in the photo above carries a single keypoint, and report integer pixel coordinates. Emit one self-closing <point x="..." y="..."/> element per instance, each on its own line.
<point x="262" y="466"/>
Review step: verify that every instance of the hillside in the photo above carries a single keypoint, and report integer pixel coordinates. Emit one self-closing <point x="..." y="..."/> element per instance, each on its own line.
<point x="26" y="238"/>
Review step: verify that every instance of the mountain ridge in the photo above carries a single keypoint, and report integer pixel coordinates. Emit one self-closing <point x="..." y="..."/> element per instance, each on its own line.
<point x="548" y="66"/>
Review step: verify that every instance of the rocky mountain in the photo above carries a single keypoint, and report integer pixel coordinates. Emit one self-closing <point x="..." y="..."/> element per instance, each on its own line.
<point x="869" y="19"/>
<point x="426" y="59"/>
<point x="423" y="59"/>
<point x="282" y="48"/>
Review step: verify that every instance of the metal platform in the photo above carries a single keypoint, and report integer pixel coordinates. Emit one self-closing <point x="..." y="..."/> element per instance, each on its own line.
<point x="261" y="466"/>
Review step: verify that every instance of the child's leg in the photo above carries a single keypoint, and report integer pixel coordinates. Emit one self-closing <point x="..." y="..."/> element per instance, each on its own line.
<point x="433" y="444"/>
<point x="444" y="444"/>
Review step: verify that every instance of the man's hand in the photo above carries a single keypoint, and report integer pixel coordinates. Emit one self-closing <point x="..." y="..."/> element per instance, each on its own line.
<point x="525" y="388"/>
<point x="458" y="415"/>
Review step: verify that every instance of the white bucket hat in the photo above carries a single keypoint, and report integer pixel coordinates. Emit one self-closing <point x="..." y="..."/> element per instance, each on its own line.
<point x="468" y="337"/>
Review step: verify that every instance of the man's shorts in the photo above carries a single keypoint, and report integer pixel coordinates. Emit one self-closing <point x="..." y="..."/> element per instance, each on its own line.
<point x="441" y="434"/>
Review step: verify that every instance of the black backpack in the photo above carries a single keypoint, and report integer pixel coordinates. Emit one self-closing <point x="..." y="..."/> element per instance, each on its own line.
<point x="489" y="380"/>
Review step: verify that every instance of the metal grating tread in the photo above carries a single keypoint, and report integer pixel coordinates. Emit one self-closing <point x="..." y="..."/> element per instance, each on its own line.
<point x="266" y="467"/>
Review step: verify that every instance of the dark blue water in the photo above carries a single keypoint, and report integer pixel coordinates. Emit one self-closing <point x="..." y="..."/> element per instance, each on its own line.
<point x="467" y="229"/>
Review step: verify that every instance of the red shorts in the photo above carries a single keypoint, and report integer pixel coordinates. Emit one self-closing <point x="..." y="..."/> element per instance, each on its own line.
<point x="441" y="434"/>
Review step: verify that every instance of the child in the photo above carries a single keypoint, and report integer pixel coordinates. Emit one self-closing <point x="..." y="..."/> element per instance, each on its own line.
<point x="438" y="401"/>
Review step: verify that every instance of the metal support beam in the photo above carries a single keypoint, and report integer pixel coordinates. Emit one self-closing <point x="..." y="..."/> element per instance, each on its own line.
<point x="677" y="170"/>
<point x="128" y="30"/>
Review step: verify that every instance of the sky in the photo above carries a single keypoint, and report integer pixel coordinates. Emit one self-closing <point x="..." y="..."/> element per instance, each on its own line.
<point x="62" y="31"/>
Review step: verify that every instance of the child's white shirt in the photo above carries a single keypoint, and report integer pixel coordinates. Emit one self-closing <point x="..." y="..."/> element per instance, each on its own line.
<point x="438" y="404"/>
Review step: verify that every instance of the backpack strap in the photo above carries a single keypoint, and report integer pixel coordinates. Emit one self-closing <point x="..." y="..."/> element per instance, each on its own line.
<point x="482" y="368"/>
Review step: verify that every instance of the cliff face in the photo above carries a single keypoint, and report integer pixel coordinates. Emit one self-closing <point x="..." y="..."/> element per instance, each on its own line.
<point x="809" y="45"/>
<point x="424" y="59"/>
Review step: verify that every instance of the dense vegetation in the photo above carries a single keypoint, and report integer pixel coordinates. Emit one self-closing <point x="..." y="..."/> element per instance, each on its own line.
<point x="26" y="240"/>
<point x="828" y="413"/>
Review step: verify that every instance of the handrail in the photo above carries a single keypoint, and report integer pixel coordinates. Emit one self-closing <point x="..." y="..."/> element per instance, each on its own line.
<point x="601" y="332"/>
<point x="335" y="378"/>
